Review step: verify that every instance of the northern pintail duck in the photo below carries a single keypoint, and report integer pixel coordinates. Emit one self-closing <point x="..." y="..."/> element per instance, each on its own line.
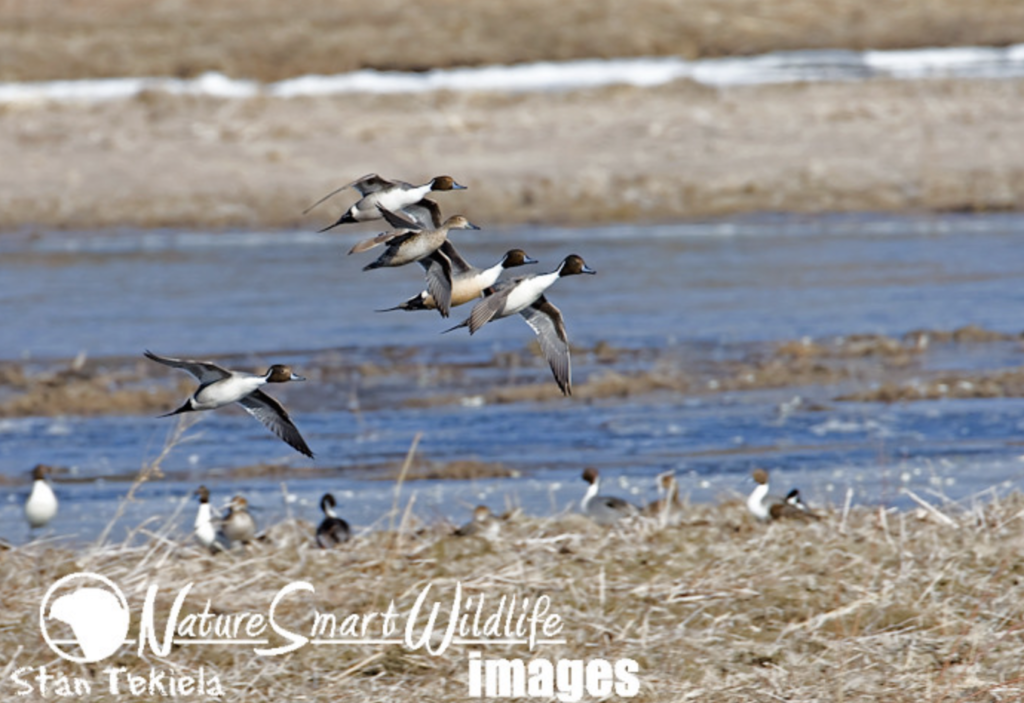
<point x="484" y="524"/>
<point x="238" y="525"/>
<point x="468" y="282"/>
<point x="525" y="295"/>
<point x="219" y="387"/>
<point x="206" y="530"/>
<point x="604" y="510"/>
<point x="773" y="507"/>
<point x="416" y="242"/>
<point x="332" y="530"/>
<point x="393" y="195"/>
<point x="41" y="505"/>
<point x="668" y="509"/>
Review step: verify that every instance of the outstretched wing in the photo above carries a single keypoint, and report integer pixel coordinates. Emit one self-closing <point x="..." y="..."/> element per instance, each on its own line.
<point x="204" y="371"/>
<point x="547" y="324"/>
<point x="370" y="183"/>
<point x="275" y="418"/>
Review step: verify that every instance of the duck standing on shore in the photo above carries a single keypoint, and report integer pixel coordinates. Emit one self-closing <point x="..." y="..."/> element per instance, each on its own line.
<point x="41" y="505"/>
<point x="604" y="510"/>
<point x="332" y="530"/>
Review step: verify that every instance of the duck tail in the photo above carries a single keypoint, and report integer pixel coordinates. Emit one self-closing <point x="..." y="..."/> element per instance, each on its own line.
<point x="187" y="407"/>
<point x="464" y="323"/>
<point x="343" y="220"/>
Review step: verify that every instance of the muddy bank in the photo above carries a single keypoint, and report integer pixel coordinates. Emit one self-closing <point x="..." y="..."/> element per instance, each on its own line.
<point x="611" y="155"/>
<point x="856" y="367"/>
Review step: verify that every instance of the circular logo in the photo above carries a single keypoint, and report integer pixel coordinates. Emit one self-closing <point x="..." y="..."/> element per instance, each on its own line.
<point x="96" y="614"/>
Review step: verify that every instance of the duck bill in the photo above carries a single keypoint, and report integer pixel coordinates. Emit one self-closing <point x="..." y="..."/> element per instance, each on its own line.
<point x="458" y="186"/>
<point x="296" y="377"/>
<point x="587" y="269"/>
<point x="527" y="260"/>
<point x="470" y="225"/>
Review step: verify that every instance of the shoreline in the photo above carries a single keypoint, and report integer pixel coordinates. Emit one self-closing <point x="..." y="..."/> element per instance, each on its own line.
<point x="678" y="152"/>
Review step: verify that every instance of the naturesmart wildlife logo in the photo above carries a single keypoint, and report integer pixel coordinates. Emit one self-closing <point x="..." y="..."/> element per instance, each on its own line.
<point x="85" y="618"/>
<point x="97" y="614"/>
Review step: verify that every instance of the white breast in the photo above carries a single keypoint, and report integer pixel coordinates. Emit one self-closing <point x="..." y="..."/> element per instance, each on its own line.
<point x="41" y="505"/>
<point x="527" y="292"/>
<point x="228" y="391"/>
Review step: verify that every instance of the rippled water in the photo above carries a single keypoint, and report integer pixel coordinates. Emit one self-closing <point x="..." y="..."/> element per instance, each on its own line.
<point x="693" y="292"/>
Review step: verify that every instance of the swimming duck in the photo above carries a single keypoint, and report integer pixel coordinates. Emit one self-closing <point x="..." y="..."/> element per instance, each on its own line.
<point x="41" y="505"/>
<point x="484" y="524"/>
<point x="413" y="241"/>
<point x="219" y="387"/>
<point x="668" y="509"/>
<point x="238" y="525"/>
<point x="392" y="195"/>
<point x="468" y="282"/>
<point x="772" y="507"/>
<point x="525" y="295"/>
<point x="206" y="530"/>
<point x="604" y="510"/>
<point x="332" y="530"/>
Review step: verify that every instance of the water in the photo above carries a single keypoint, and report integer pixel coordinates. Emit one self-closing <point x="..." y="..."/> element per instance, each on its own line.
<point x="684" y="295"/>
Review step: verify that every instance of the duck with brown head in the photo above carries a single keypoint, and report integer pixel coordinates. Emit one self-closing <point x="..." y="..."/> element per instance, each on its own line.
<point x="219" y="387"/>
<point x="392" y="195"/>
<point x="525" y="295"/>
<point x="468" y="282"/>
<point x="604" y="510"/>
<point x="412" y="242"/>
<point x="238" y="524"/>
<point x="206" y="531"/>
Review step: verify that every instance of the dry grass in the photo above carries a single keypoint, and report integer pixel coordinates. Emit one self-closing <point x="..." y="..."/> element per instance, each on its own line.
<point x="271" y="39"/>
<point x="870" y="604"/>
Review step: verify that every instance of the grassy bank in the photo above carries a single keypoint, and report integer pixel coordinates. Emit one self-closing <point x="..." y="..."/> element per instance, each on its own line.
<point x="869" y="604"/>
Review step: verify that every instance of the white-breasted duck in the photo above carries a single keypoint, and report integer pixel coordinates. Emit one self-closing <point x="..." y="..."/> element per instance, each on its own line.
<point x="332" y="530"/>
<point x="764" y="506"/>
<point x="525" y="295"/>
<point x="484" y="524"/>
<point x="468" y="281"/>
<point x="207" y="531"/>
<point x="604" y="510"/>
<point x="412" y="242"/>
<point x="238" y="525"/>
<point x="219" y="387"/>
<point x="393" y="195"/>
<point x="41" y="504"/>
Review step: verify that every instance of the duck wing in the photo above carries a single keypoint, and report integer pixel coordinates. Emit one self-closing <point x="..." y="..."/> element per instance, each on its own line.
<point x="459" y="265"/>
<point x="401" y="221"/>
<point x="275" y="418"/>
<point x="370" y="183"/>
<point x="547" y="324"/>
<point x="439" y="280"/>
<point x="204" y="371"/>
<point x="426" y="212"/>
